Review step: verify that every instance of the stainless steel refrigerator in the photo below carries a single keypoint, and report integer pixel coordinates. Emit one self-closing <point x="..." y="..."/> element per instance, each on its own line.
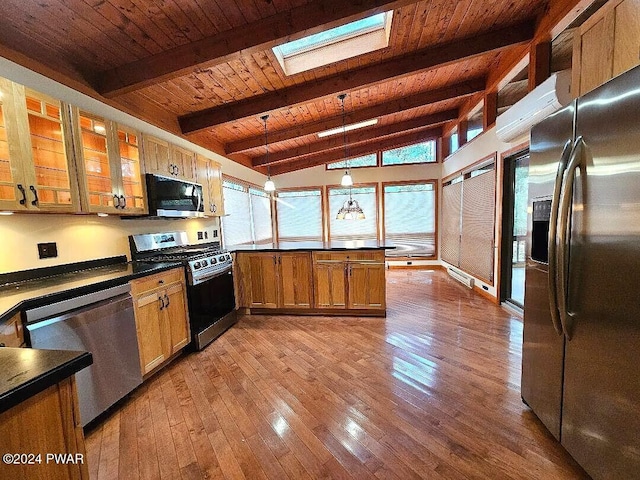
<point x="581" y="350"/>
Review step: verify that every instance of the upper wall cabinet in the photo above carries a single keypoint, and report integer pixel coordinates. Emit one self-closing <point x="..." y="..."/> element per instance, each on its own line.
<point x="606" y="45"/>
<point x="209" y="175"/>
<point x="36" y="171"/>
<point x="109" y="167"/>
<point x="163" y="158"/>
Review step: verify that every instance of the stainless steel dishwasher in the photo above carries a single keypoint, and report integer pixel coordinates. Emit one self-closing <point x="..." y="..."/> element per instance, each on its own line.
<point x="102" y="323"/>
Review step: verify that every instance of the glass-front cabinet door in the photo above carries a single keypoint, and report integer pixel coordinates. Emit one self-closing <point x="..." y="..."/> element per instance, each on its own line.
<point x="35" y="163"/>
<point x="108" y="165"/>
<point x="95" y="169"/>
<point x="10" y="166"/>
<point x="130" y="170"/>
<point x="51" y="188"/>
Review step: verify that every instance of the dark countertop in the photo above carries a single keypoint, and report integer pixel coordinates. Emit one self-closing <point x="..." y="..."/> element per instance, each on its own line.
<point x="313" y="246"/>
<point x="27" y="294"/>
<point x="25" y="372"/>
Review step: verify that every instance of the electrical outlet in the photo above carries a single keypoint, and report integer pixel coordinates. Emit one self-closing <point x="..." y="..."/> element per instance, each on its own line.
<point x="200" y="236"/>
<point x="215" y="233"/>
<point x="47" y="250"/>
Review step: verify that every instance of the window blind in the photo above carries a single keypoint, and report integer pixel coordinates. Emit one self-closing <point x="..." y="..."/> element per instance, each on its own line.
<point x="409" y="219"/>
<point x="343" y="230"/>
<point x="261" y="216"/>
<point x="478" y="211"/>
<point x="236" y="225"/>
<point x="450" y="236"/>
<point x="299" y="215"/>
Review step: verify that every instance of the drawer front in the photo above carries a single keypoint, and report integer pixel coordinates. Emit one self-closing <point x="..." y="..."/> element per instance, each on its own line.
<point x="158" y="280"/>
<point x="11" y="334"/>
<point x="349" y="256"/>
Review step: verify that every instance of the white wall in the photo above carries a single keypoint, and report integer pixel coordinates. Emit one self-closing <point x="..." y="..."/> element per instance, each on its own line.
<point x="480" y="147"/>
<point x="80" y="237"/>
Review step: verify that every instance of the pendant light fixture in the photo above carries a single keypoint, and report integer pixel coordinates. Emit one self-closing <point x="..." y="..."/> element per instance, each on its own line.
<point x="269" y="186"/>
<point x="350" y="210"/>
<point x="347" y="180"/>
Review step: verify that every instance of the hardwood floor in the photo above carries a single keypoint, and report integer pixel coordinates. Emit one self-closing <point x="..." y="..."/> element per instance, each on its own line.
<point x="432" y="391"/>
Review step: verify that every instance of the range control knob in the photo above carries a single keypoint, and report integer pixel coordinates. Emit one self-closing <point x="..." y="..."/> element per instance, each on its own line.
<point x="205" y="263"/>
<point x="197" y="265"/>
<point x="214" y="260"/>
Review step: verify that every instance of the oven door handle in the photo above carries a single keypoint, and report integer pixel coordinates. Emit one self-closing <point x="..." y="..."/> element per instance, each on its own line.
<point x="213" y="275"/>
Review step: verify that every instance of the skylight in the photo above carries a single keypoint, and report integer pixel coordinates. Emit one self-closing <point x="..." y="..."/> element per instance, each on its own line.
<point x="339" y="43"/>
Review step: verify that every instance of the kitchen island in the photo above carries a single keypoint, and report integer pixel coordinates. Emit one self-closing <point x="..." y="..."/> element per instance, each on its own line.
<point x="312" y="278"/>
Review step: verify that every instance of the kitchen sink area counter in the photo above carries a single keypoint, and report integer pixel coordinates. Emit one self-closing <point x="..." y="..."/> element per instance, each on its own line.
<point x="312" y="278"/>
<point x="32" y="288"/>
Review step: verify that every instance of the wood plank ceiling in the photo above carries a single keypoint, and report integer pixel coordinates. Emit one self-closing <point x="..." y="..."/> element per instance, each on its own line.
<point x="205" y="69"/>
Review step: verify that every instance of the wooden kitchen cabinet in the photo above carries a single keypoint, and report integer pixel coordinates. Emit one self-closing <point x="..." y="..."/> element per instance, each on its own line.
<point x="156" y="156"/>
<point x="48" y="422"/>
<point x="37" y="173"/>
<point x="184" y="163"/>
<point x="109" y="169"/>
<point x="168" y="160"/>
<point x="606" y="45"/>
<point x="162" y="319"/>
<point x="354" y="280"/>
<point x="330" y="282"/>
<point x="11" y="333"/>
<point x="209" y="175"/>
<point x="277" y="280"/>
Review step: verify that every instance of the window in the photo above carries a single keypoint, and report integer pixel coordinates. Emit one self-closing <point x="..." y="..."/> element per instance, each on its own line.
<point x="418" y="153"/>
<point x="261" y="216"/>
<point x="248" y="219"/>
<point x="339" y="43"/>
<point x="299" y="215"/>
<point x="453" y="142"/>
<point x="468" y="211"/>
<point x="370" y="160"/>
<point x="353" y="229"/>
<point x="410" y="218"/>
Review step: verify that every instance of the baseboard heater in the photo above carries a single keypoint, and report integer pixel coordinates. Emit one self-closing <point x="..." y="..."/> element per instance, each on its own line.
<point x="462" y="277"/>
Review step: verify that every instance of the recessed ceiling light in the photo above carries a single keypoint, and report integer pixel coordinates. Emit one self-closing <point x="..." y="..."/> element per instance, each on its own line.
<point x="6" y="213"/>
<point x="103" y="214"/>
<point x="353" y="126"/>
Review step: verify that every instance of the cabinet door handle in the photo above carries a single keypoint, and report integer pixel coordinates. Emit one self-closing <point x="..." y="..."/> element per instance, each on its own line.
<point x="116" y="201"/>
<point x="24" y="194"/>
<point x="123" y="205"/>
<point x="162" y="305"/>
<point x="167" y="299"/>
<point x="35" y="195"/>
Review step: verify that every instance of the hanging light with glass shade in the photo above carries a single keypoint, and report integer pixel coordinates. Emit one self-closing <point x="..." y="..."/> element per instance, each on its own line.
<point x="350" y="210"/>
<point x="269" y="186"/>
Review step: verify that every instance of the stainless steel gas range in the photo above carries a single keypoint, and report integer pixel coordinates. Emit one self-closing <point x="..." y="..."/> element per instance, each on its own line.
<point x="210" y="290"/>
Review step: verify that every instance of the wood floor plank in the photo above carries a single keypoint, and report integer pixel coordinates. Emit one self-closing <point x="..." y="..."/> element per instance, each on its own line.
<point x="431" y="391"/>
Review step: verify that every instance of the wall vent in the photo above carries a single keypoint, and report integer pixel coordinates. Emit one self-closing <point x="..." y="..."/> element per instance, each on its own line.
<point x="462" y="277"/>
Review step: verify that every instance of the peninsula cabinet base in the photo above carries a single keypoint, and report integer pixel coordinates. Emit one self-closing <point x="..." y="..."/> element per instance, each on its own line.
<point x="343" y="312"/>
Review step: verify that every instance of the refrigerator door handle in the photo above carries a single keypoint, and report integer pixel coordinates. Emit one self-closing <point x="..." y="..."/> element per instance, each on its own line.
<point x="553" y="230"/>
<point x="566" y="201"/>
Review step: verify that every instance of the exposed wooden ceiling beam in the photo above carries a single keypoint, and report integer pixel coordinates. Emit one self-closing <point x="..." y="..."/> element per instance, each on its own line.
<point x="450" y="92"/>
<point x="359" y="136"/>
<point x="228" y="45"/>
<point x="393" y="68"/>
<point x="358" y="150"/>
